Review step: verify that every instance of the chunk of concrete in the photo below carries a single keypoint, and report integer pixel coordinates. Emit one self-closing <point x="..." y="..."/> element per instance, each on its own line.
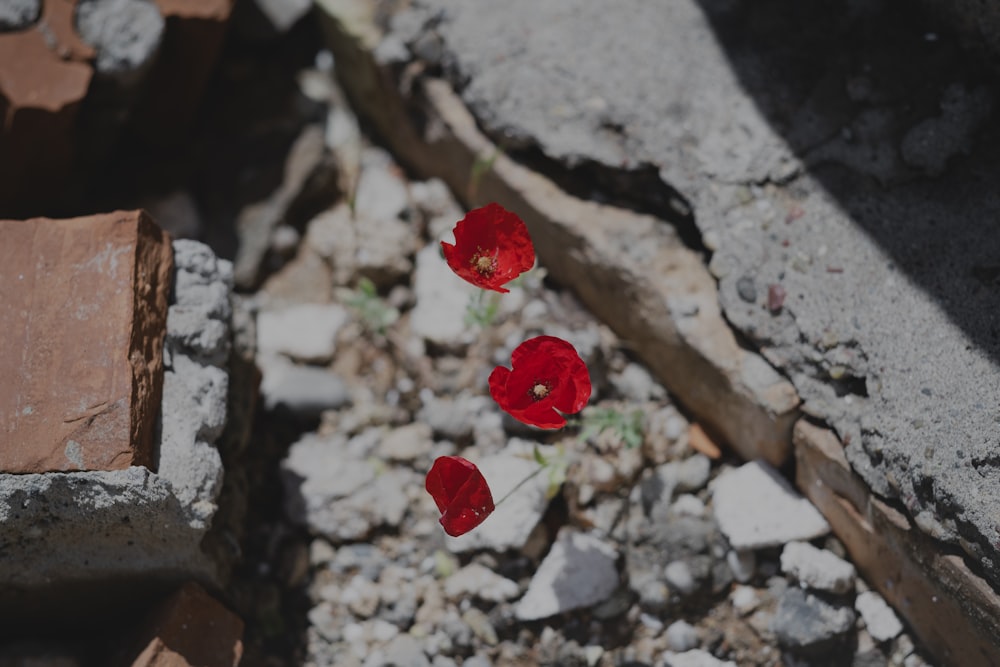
<point x="756" y="507"/>
<point x="82" y="304"/>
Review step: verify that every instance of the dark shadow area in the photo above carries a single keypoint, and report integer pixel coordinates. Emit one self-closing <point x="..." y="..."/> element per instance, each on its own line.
<point x="898" y="125"/>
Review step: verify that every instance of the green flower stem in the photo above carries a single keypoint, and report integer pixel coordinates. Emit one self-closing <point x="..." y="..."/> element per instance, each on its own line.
<point x="522" y="483"/>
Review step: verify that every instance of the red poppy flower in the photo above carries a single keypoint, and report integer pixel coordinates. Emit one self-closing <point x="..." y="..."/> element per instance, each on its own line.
<point x="461" y="494"/>
<point x="492" y="247"/>
<point x="546" y="375"/>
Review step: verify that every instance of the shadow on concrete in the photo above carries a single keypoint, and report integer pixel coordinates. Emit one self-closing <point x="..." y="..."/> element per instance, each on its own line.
<point x="897" y="123"/>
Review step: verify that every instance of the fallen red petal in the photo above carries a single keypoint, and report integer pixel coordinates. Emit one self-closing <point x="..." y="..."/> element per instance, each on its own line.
<point x="460" y="492"/>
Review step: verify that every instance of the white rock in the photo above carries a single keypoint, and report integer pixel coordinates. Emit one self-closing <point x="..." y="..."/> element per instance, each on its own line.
<point x="881" y="620"/>
<point x="817" y="568"/>
<point x="682" y="636"/>
<point x="513" y="520"/>
<point x="441" y="300"/>
<point x="406" y="443"/>
<point x="304" y="390"/>
<point x="678" y="575"/>
<point x="744" y="599"/>
<point x="475" y="580"/>
<point x="579" y="571"/>
<point x="694" y="658"/>
<point x="756" y="507"/>
<point x="688" y="505"/>
<point x="743" y="564"/>
<point x="340" y="497"/>
<point x="381" y="194"/>
<point x="306" y="332"/>
<point x="358" y="244"/>
<point x="282" y="14"/>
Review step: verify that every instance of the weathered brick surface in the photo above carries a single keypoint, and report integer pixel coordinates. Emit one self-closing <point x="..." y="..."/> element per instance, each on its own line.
<point x="192" y="629"/>
<point x="953" y="610"/>
<point x="83" y="306"/>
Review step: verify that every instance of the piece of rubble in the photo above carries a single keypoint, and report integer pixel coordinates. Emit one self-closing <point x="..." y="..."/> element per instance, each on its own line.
<point x="191" y="629"/>
<point x="82" y="304"/>
<point x="756" y="507"/>
<point x="880" y="619"/>
<point x="805" y="623"/>
<point x="818" y="569"/>
<point x="579" y="571"/>
<point x="304" y="332"/>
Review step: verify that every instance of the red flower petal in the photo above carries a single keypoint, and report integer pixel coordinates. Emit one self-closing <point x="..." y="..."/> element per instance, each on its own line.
<point x="546" y="377"/>
<point x="492" y="247"/>
<point x="460" y="492"/>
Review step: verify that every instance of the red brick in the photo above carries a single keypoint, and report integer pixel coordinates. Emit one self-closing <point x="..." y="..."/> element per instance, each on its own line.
<point x="192" y="41"/>
<point x="83" y="306"/>
<point x="953" y="611"/>
<point x="192" y="629"/>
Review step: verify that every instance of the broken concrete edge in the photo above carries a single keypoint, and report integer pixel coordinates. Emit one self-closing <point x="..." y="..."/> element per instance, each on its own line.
<point x="102" y="540"/>
<point x="953" y="611"/>
<point x="667" y="295"/>
<point x="629" y="269"/>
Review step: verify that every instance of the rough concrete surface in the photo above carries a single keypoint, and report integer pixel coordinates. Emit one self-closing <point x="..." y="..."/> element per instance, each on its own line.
<point x="74" y="533"/>
<point x="839" y="164"/>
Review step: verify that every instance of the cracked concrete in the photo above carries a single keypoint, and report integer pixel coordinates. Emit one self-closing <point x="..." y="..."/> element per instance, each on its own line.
<point x="837" y="161"/>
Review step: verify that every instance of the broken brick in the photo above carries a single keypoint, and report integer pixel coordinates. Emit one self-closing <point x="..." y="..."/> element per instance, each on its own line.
<point x="83" y="306"/>
<point x="191" y="629"/>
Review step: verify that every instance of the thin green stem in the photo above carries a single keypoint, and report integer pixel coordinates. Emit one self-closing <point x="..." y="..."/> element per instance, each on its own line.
<point x="521" y="483"/>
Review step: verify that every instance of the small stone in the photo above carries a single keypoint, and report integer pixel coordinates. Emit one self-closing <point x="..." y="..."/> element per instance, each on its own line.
<point x="19" y="14"/>
<point x="406" y="443"/>
<point x="405" y="651"/>
<point x="125" y="33"/>
<point x="361" y="596"/>
<point x="746" y="288"/>
<point x="756" y="507"/>
<point x="806" y="623"/>
<point x="775" y="298"/>
<point x="744" y="599"/>
<point x="881" y="620"/>
<point x="678" y="575"/>
<point x="688" y="505"/>
<point x="306" y="332"/>
<point x="817" y="568"/>
<point x="694" y="658"/>
<point x="303" y="390"/>
<point x="743" y="564"/>
<point x="693" y="473"/>
<point x="682" y="636"/>
<point x="481" y="626"/>
<point x="579" y="571"/>
<point x="475" y="580"/>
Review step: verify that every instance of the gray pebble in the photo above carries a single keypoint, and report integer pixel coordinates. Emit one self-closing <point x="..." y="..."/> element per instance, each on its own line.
<point x="746" y="289"/>
<point x="682" y="636"/>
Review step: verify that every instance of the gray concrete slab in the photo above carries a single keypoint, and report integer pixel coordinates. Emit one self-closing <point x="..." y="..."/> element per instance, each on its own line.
<point x="840" y="165"/>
